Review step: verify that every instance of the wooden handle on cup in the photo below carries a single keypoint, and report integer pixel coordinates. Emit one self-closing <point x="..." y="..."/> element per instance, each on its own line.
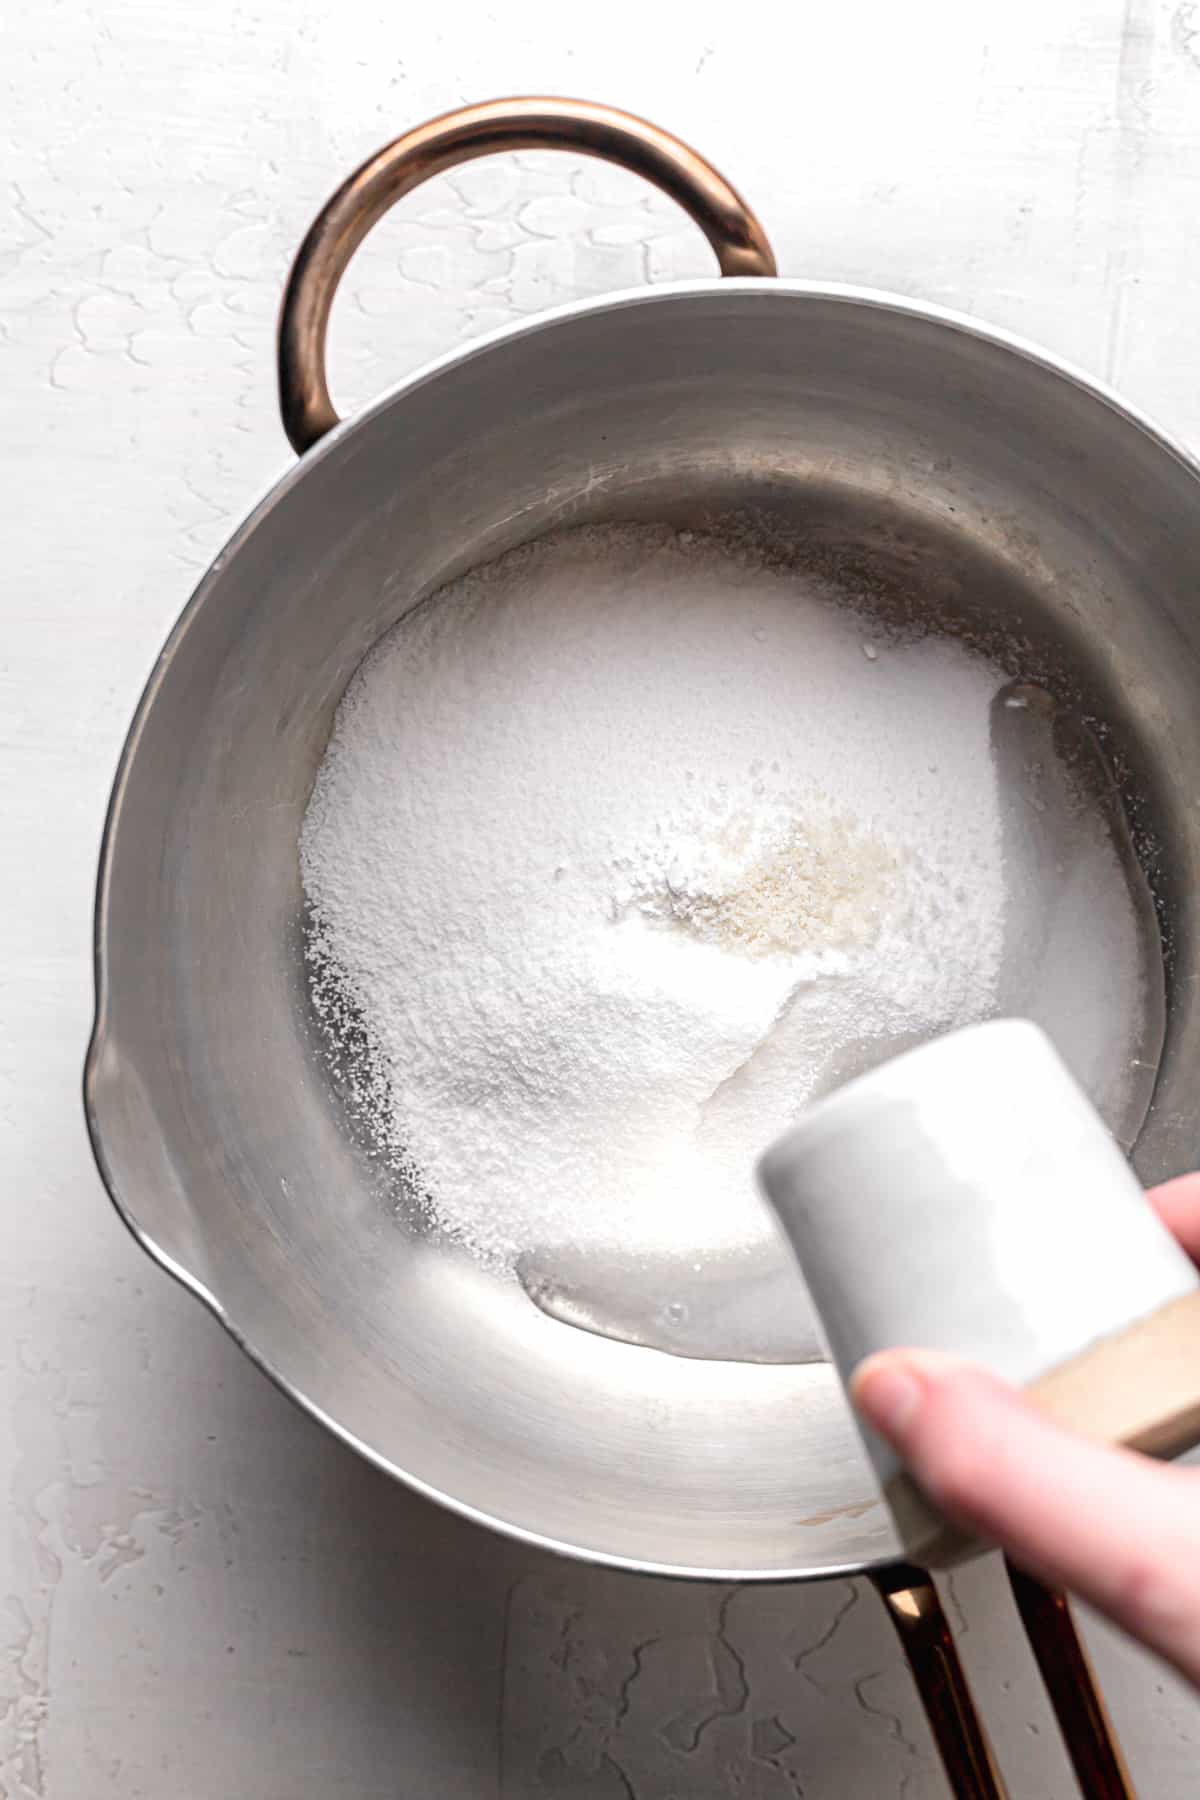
<point x="1139" y="1388"/>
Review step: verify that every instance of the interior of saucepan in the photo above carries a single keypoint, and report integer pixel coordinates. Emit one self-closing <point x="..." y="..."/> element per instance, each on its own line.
<point x="969" y="478"/>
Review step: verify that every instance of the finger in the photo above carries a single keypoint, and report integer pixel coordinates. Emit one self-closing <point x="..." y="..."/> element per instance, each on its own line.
<point x="1178" y="1205"/>
<point x="1116" y="1528"/>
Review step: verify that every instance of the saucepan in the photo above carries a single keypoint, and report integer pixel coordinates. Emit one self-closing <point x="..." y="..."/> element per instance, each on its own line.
<point x="967" y="472"/>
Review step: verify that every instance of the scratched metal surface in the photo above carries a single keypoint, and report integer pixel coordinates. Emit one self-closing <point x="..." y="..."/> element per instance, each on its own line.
<point x="201" y="1596"/>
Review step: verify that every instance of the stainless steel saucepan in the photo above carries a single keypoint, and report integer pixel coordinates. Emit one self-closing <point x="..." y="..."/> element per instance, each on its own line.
<point x="969" y="474"/>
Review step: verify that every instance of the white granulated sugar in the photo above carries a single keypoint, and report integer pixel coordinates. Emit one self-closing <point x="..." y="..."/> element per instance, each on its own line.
<point x="623" y="847"/>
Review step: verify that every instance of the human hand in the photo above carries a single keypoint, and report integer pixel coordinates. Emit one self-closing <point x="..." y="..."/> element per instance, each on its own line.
<point x="1116" y="1528"/>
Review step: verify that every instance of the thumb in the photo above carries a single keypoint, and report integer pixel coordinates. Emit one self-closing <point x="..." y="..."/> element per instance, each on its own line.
<point x="1119" y="1530"/>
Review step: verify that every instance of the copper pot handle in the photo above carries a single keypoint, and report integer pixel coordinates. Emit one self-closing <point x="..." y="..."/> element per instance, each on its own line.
<point x="1070" y="1681"/>
<point x="456" y="137"/>
<point x="912" y="1604"/>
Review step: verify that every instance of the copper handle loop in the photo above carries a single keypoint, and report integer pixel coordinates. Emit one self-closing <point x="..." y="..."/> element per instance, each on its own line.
<point x="456" y="137"/>
<point x="912" y="1604"/>
<point x="1070" y="1681"/>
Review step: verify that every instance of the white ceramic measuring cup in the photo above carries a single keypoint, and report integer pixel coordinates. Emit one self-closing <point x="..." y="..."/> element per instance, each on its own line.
<point x="967" y="1197"/>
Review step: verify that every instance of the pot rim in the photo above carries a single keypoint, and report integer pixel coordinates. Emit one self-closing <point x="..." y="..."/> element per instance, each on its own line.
<point x="104" y="1042"/>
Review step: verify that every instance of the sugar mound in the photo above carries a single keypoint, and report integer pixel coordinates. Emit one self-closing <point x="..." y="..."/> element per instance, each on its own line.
<point x="623" y="847"/>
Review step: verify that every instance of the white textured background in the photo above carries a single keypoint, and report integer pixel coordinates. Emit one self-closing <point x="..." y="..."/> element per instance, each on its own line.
<point x="200" y="1597"/>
